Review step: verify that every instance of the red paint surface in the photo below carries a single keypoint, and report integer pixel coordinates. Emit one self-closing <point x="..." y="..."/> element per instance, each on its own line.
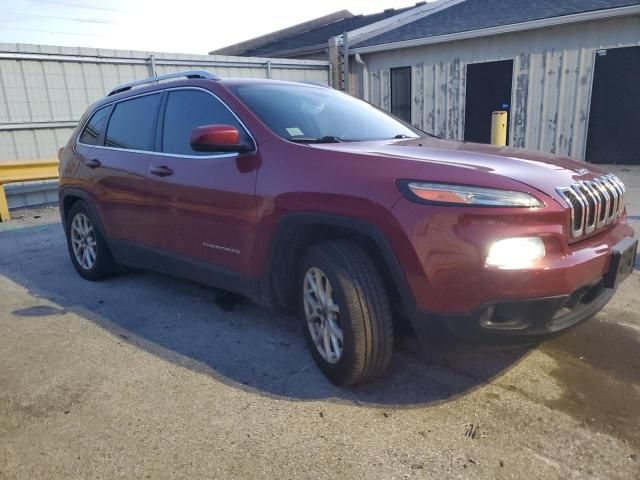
<point x="209" y="135"/>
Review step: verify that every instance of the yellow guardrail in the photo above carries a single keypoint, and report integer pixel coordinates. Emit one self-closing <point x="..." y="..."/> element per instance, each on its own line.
<point x="23" y="171"/>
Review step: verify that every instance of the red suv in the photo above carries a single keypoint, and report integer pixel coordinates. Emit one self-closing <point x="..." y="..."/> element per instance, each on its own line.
<point x="299" y="196"/>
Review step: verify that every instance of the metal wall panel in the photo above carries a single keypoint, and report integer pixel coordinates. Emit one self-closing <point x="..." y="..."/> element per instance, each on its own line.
<point x="44" y="90"/>
<point x="552" y="78"/>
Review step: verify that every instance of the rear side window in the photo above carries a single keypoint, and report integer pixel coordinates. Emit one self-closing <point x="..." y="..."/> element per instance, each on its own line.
<point x="132" y="123"/>
<point x="188" y="109"/>
<point x="94" y="130"/>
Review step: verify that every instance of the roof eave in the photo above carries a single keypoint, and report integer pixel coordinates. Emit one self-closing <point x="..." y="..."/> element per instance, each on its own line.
<point x="418" y="12"/>
<point x="502" y="29"/>
<point x="317" y="48"/>
<point x="263" y="40"/>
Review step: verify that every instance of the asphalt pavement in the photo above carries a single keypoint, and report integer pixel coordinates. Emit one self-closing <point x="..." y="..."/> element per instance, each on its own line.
<point x="147" y="376"/>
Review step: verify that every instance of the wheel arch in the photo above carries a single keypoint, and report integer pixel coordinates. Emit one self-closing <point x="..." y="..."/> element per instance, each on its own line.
<point x="296" y="232"/>
<point x="68" y="196"/>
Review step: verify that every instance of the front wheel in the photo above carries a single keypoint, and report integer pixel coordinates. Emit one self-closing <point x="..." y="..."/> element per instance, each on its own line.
<point x="345" y="312"/>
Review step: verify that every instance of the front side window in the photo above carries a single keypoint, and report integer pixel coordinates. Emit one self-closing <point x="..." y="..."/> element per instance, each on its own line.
<point x="306" y="113"/>
<point x="188" y="109"/>
<point x="132" y="123"/>
<point x="94" y="130"/>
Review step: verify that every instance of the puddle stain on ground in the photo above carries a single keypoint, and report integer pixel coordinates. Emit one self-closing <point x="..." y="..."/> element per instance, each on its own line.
<point x="598" y="366"/>
<point x="39" y="311"/>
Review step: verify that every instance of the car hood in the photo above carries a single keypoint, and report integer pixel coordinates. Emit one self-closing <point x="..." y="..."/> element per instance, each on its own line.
<point x="539" y="170"/>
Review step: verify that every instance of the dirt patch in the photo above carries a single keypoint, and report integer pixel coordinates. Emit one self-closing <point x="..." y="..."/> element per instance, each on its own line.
<point x="599" y="369"/>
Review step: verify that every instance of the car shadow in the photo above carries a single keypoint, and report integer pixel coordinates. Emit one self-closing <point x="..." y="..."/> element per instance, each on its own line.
<point x="241" y="344"/>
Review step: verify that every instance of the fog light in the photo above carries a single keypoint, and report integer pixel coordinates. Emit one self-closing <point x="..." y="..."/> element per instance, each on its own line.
<point x="516" y="252"/>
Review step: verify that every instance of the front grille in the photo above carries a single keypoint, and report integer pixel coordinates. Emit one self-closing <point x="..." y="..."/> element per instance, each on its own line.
<point x="593" y="204"/>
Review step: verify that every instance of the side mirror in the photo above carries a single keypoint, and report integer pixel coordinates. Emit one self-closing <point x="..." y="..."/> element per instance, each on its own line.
<point x="217" y="138"/>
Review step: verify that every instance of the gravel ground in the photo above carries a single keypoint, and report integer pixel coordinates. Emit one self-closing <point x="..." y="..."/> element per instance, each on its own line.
<point x="146" y="376"/>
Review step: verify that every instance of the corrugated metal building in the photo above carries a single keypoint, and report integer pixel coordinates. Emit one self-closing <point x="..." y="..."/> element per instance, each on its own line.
<point x="45" y="89"/>
<point x="550" y="66"/>
<point x="566" y="71"/>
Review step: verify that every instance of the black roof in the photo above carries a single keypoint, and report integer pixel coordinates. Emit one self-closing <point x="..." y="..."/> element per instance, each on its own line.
<point x="321" y="34"/>
<point x="472" y="15"/>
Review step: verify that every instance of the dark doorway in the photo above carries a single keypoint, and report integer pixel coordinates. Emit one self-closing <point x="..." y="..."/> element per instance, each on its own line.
<point x="488" y="90"/>
<point x="401" y="93"/>
<point x="615" y="107"/>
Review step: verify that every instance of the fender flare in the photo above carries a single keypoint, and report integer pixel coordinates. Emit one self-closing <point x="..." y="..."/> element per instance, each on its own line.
<point x="89" y="200"/>
<point x="291" y="224"/>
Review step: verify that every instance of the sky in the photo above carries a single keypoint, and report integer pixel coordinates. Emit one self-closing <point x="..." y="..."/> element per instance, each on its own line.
<point x="184" y="26"/>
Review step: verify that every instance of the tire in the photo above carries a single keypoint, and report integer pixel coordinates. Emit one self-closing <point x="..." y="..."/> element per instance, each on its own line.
<point x="103" y="264"/>
<point x="364" y="317"/>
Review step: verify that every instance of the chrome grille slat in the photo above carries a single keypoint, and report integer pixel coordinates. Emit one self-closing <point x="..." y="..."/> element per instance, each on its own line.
<point x="577" y="215"/>
<point x="591" y="215"/>
<point x="616" y="197"/>
<point x="605" y="205"/>
<point x="621" y="189"/>
<point x="593" y="204"/>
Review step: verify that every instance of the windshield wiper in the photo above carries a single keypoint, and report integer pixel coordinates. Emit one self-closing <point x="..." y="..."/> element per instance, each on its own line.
<point x="325" y="139"/>
<point x="403" y="136"/>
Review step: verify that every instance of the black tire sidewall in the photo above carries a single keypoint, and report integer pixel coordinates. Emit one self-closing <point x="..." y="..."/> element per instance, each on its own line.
<point x="340" y="370"/>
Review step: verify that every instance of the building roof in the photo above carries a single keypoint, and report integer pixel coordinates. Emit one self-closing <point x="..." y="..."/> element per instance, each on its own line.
<point x="262" y="40"/>
<point x="321" y="35"/>
<point x="470" y="15"/>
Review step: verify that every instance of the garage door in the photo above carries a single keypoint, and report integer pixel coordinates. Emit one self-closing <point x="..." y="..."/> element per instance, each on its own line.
<point x="488" y="90"/>
<point x="615" y="107"/>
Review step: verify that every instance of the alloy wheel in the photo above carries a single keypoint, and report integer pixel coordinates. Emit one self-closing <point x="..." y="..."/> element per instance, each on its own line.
<point x="322" y="315"/>
<point x="83" y="241"/>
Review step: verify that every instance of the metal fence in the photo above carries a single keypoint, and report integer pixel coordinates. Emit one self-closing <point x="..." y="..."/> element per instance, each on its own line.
<point x="45" y="89"/>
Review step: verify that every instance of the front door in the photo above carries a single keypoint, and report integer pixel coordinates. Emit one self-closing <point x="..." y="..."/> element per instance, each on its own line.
<point x="615" y="107"/>
<point x="488" y="90"/>
<point x="202" y="205"/>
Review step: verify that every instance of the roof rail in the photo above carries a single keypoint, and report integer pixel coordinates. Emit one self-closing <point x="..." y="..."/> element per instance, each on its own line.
<point x="188" y="74"/>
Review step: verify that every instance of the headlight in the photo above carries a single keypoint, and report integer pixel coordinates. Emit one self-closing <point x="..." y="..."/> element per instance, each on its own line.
<point x="465" y="195"/>
<point x="515" y="253"/>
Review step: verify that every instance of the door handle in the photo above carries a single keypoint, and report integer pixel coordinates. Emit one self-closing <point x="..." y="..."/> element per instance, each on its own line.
<point x="161" y="171"/>
<point x="93" y="163"/>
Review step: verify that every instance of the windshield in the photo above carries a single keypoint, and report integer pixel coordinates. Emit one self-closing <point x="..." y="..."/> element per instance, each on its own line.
<point x="305" y="113"/>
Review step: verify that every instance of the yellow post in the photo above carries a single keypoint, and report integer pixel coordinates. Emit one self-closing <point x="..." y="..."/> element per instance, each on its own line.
<point x="499" y="128"/>
<point x="4" y="207"/>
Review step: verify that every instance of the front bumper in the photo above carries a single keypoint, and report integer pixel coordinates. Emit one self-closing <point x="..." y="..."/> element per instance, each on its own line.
<point x="444" y="256"/>
<point x="528" y="321"/>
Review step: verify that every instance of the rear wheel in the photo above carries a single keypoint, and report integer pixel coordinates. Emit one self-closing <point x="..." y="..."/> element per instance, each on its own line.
<point x="345" y="313"/>
<point x="88" y="251"/>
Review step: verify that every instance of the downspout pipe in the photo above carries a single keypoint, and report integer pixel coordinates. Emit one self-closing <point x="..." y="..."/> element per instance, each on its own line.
<point x="152" y="66"/>
<point x="365" y="76"/>
<point x="345" y="60"/>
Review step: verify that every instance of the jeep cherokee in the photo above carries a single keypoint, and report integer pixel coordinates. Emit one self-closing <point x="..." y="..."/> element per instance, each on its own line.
<point x="299" y="196"/>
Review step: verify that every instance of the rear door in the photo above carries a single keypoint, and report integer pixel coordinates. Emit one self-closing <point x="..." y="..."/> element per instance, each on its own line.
<point x="120" y="166"/>
<point x="92" y="135"/>
<point x="202" y="205"/>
